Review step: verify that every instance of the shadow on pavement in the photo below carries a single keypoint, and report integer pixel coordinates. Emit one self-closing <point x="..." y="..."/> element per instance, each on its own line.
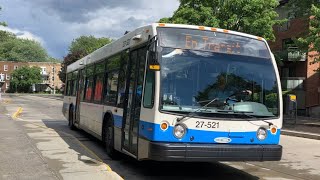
<point x="129" y="168"/>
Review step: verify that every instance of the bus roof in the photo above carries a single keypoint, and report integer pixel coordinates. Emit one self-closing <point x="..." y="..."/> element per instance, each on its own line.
<point x="137" y="37"/>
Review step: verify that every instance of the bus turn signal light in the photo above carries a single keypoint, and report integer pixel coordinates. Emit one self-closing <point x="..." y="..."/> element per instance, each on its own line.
<point x="164" y="126"/>
<point x="273" y="130"/>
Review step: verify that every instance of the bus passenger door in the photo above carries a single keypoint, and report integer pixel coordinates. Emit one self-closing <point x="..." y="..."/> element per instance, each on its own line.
<point x="79" y="89"/>
<point x="134" y="97"/>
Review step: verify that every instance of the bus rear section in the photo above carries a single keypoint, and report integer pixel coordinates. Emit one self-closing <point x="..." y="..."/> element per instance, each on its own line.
<point x="217" y="98"/>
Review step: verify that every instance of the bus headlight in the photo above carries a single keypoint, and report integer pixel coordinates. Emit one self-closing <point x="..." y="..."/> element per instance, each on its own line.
<point x="261" y="134"/>
<point x="179" y="131"/>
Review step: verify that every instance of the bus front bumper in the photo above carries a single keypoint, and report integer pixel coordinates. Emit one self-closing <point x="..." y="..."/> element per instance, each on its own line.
<point x="213" y="152"/>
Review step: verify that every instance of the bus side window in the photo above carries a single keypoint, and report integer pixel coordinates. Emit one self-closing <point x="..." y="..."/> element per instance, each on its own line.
<point x="98" y="82"/>
<point x="148" y="97"/>
<point x="112" y="86"/>
<point x="122" y="80"/>
<point x="89" y="83"/>
<point x="88" y="89"/>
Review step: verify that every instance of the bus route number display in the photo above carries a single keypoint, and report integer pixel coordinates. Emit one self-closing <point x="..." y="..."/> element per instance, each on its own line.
<point x="211" y="44"/>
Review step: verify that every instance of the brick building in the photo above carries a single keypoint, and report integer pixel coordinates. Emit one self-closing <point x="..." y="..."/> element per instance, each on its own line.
<point x="296" y="70"/>
<point x="49" y="72"/>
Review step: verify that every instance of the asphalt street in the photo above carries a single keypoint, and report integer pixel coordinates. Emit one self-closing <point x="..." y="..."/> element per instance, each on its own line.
<point x="40" y="145"/>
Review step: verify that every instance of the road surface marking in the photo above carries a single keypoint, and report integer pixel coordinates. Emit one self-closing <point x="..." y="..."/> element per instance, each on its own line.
<point x="17" y="113"/>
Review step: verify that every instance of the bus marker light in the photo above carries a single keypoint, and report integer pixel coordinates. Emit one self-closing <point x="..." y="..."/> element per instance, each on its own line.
<point x="260" y="38"/>
<point x="154" y="67"/>
<point x="225" y="31"/>
<point x="162" y="24"/>
<point x="273" y="130"/>
<point x="201" y="27"/>
<point x="213" y="29"/>
<point x="164" y="126"/>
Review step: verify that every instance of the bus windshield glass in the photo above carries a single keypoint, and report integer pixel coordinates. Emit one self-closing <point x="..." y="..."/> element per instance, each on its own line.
<point x="234" y="73"/>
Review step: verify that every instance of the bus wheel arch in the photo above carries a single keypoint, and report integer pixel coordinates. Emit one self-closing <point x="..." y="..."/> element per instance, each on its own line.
<point x="108" y="135"/>
<point x="71" y="118"/>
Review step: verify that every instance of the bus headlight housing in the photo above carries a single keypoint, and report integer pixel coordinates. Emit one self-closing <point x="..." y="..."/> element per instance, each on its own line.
<point x="262" y="134"/>
<point x="179" y="131"/>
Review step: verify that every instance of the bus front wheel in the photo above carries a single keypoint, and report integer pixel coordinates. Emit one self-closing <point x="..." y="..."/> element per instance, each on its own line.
<point x="108" y="140"/>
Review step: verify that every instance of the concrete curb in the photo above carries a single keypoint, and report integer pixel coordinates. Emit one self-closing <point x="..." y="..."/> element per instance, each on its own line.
<point x="300" y="134"/>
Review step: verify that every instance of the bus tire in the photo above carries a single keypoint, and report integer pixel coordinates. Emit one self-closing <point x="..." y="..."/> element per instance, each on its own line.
<point x="71" y="119"/>
<point x="108" y="139"/>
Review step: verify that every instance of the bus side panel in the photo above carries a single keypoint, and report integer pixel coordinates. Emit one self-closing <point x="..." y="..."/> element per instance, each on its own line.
<point x="67" y="101"/>
<point x="143" y="143"/>
<point x="91" y="116"/>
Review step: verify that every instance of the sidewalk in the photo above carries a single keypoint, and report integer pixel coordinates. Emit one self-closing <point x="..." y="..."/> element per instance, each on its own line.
<point x="19" y="159"/>
<point x="304" y="127"/>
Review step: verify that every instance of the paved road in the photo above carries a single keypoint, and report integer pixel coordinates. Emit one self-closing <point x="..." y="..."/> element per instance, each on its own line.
<point x="69" y="154"/>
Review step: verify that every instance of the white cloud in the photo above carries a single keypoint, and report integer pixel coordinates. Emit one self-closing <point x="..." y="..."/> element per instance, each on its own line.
<point x="55" y="23"/>
<point x="117" y="20"/>
<point x="23" y="34"/>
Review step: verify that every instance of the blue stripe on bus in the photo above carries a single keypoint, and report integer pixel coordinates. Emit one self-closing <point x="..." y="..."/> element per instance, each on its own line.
<point x="152" y="132"/>
<point x="117" y="121"/>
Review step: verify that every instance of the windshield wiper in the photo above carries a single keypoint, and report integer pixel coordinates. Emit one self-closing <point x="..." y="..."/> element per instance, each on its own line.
<point x="251" y="116"/>
<point x="191" y="113"/>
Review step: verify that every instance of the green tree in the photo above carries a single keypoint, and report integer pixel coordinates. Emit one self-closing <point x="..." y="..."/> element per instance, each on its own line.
<point x="310" y="41"/>
<point x="23" y="78"/>
<point x="79" y="48"/>
<point x="88" y="44"/>
<point x="250" y="16"/>
<point x="301" y="8"/>
<point x="69" y="59"/>
<point x="16" y="49"/>
<point x="6" y="36"/>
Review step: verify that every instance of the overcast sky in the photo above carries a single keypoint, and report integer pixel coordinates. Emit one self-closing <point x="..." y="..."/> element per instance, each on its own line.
<point x="55" y="23"/>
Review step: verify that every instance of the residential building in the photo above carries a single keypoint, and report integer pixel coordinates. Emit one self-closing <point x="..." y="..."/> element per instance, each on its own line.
<point x="297" y="72"/>
<point x="49" y="72"/>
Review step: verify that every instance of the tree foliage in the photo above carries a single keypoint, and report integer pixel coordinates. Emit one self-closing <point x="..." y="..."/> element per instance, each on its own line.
<point x="88" y="44"/>
<point x="310" y="10"/>
<point x="311" y="42"/>
<point x="250" y="16"/>
<point x="301" y="8"/>
<point x="79" y="48"/>
<point x="16" y="49"/>
<point x="24" y="77"/>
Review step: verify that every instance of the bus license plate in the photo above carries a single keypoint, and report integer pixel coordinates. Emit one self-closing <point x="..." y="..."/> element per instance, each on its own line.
<point x="207" y="124"/>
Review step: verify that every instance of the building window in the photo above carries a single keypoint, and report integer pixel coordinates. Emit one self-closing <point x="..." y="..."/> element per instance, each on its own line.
<point x="8" y="77"/>
<point x="15" y="67"/>
<point x="5" y="67"/>
<point x="7" y="85"/>
<point x="1" y="77"/>
<point x="43" y="70"/>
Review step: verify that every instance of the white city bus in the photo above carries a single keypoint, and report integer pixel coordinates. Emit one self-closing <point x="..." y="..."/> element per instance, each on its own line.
<point x="170" y="92"/>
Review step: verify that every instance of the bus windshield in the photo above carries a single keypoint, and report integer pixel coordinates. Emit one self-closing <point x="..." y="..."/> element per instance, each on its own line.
<point x="237" y="80"/>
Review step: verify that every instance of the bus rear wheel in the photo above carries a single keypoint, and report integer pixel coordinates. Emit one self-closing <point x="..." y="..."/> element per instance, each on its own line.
<point x="71" y="120"/>
<point x="108" y="140"/>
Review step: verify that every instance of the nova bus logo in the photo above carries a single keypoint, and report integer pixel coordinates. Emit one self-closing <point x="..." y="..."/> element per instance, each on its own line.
<point x="222" y="140"/>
